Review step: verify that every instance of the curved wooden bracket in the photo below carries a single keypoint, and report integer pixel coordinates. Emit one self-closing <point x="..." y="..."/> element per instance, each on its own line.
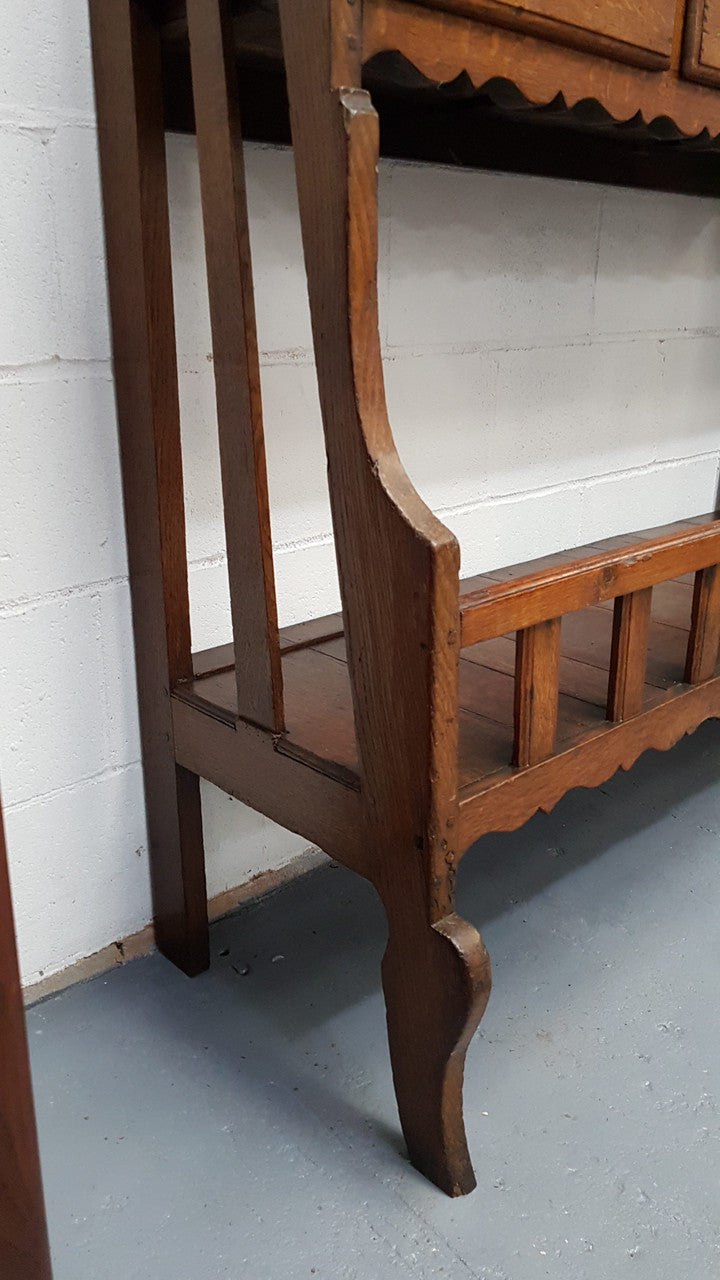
<point x="437" y="984"/>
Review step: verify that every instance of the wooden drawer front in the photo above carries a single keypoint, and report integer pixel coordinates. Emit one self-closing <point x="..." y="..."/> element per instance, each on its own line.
<point x="636" y="31"/>
<point x="701" y="56"/>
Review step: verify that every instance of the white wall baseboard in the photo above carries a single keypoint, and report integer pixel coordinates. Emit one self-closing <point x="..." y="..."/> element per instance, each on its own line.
<point x="143" y="942"/>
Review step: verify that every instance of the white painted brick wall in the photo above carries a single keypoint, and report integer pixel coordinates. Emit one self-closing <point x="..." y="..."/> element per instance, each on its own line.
<point x="553" y="376"/>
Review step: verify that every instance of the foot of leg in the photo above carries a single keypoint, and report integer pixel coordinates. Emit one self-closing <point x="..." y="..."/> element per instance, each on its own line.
<point x="437" y="983"/>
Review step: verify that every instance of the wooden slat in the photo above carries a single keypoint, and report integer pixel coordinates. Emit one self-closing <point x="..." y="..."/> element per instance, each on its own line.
<point x="547" y="594"/>
<point x="24" y="1253"/>
<point x="537" y="661"/>
<point x="258" y="672"/>
<point x="128" y="95"/>
<point x="628" y="656"/>
<point x="702" y="652"/>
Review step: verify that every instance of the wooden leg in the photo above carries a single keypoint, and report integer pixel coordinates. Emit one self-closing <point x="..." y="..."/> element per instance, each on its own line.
<point x="126" y="55"/>
<point x="399" y="579"/>
<point x="436" y="980"/>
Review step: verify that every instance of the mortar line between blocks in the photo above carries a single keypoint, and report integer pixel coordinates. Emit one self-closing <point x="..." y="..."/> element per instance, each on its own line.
<point x="111" y="771"/>
<point x="519" y="346"/>
<point x="55" y="368"/>
<point x="580" y="482"/>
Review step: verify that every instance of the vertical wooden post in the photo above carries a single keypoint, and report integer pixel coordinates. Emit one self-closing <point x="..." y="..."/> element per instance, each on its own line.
<point x="628" y="658"/>
<point x="24" y="1252"/>
<point x="399" y="578"/>
<point x="132" y="154"/>
<point x="704" y="639"/>
<point x="537" y="666"/>
<point x="258" y="672"/>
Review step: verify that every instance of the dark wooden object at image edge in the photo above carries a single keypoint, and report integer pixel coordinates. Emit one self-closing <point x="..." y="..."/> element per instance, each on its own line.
<point x="24" y="1250"/>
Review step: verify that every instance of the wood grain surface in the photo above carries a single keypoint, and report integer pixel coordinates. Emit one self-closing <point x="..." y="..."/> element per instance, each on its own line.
<point x="444" y="45"/>
<point x="428" y="713"/>
<point x="137" y="236"/>
<point x="235" y="362"/>
<point x="639" y="34"/>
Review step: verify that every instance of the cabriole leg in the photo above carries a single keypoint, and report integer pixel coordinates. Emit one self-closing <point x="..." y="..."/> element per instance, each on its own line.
<point x="436" y="980"/>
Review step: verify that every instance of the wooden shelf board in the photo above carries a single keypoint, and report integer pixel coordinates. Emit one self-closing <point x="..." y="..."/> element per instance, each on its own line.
<point x="450" y="126"/>
<point x="318" y="700"/>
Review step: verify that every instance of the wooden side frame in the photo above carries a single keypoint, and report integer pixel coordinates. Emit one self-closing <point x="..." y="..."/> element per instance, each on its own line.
<point x="404" y="623"/>
<point x="399" y="582"/>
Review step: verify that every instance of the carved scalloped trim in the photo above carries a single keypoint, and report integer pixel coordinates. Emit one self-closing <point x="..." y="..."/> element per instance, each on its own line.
<point x="660" y="103"/>
<point x="669" y="729"/>
<point x="589" y="112"/>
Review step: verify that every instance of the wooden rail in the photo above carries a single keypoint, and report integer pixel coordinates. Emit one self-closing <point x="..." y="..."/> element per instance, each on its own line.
<point x="523" y="602"/>
<point x="534" y="602"/>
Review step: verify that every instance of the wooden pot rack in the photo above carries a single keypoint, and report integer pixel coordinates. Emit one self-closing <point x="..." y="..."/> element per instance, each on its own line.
<point x="431" y="711"/>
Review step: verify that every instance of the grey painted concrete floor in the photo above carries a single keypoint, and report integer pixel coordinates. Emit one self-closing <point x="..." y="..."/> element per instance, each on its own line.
<point x="243" y="1124"/>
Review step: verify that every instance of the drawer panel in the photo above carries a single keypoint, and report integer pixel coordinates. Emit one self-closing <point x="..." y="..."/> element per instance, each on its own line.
<point x="701" y="52"/>
<point x="635" y="31"/>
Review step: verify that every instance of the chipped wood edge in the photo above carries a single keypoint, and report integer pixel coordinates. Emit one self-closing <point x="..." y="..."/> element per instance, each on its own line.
<point x="142" y="943"/>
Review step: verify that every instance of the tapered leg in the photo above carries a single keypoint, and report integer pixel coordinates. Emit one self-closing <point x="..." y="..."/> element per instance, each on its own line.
<point x="132" y="154"/>
<point x="436" y="980"/>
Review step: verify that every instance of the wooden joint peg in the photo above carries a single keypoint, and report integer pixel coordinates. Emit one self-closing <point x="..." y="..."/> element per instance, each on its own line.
<point x="537" y="665"/>
<point x="628" y="657"/>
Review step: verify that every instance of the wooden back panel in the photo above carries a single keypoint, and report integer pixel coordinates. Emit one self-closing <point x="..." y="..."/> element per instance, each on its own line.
<point x="639" y="34"/>
<point x="494" y="41"/>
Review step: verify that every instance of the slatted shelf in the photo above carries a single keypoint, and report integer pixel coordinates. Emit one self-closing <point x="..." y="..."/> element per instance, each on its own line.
<point x="318" y="702"/>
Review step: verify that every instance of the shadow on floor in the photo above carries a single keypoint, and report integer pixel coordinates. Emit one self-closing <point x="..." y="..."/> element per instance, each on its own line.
<point x="303" y="956"/>
<point x="255" y="1102"/>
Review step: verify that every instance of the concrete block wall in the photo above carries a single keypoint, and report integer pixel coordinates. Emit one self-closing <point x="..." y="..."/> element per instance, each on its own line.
<point x="553" y="376"/>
